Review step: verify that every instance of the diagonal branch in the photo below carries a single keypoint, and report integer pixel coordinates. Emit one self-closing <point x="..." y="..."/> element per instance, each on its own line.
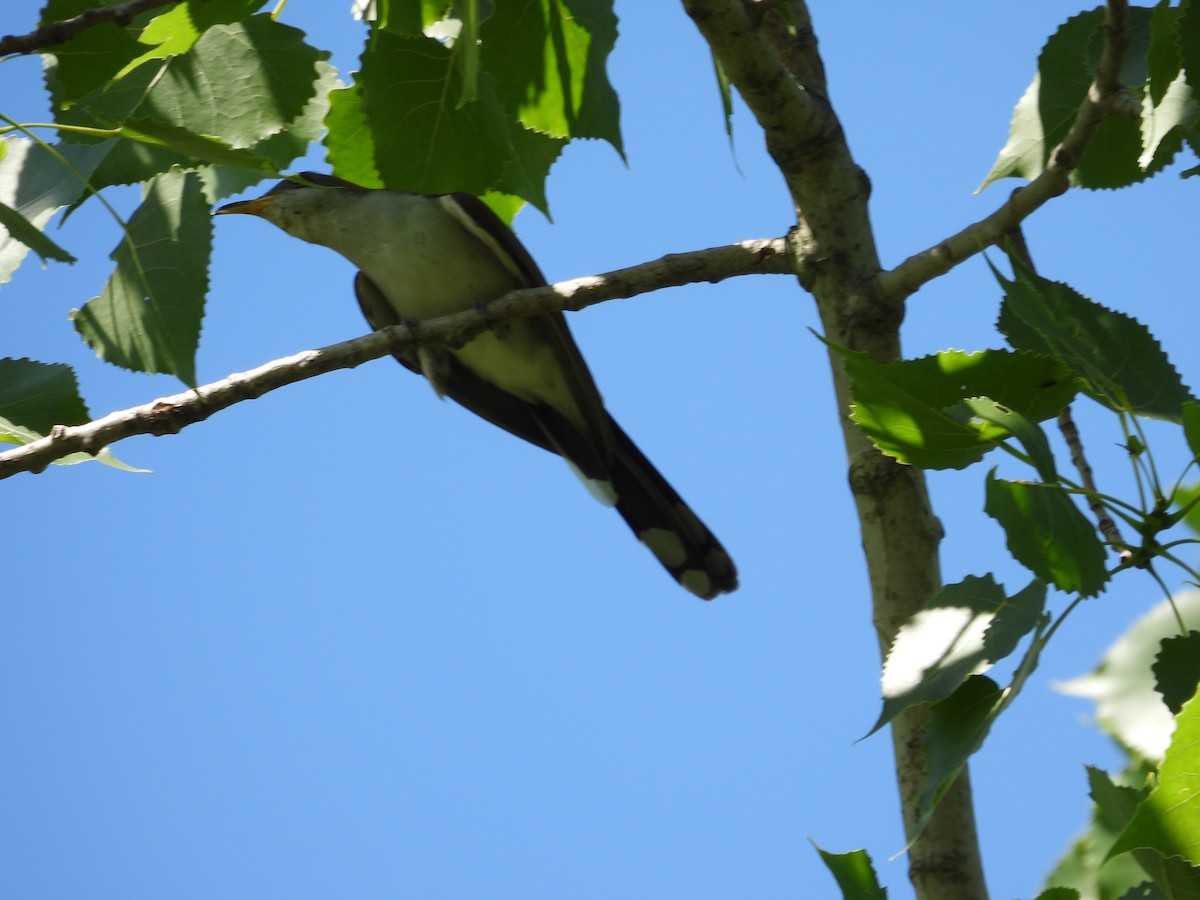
<point x="169" y="415"/>
<point x="1105" y="96"/>
<point x="61" y="32"/>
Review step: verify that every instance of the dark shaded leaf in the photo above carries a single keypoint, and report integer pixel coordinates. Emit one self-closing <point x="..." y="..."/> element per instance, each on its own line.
<point x="1177" y="669"/>
<point x="1120" y="363"/>
<point x="21" y="229"/>
<point x="148" y="316"/>
<point x="40" y="395"/>
<point x="1048" y="534"/>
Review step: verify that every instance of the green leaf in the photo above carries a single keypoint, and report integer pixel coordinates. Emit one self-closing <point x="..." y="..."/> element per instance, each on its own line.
<point x="467" y="49"/>
<point x="426" y="141"/>
<point x="532" y="156"/>
<point x="1128" y="705"/>
<point x="1021" y="614"/>
<point x="1189" y="43"/>
<point x="240" y="84"/>
<point x="959" y="725"/>
<point x="914" y="410"/>
<point x="21" y="229"/>
<point x="1048" y="108"/>
<point x="412" y="17"/>
<point x="1168" y="821"/>
<point x="40" y="395"/>
<point x="725" y="91"/>
<point x="957" y="728"/>
<point x="506" y="206"/>
<point x="1048" y="534"/>
<point x="1024" y="154"/>
<point x="148" y="316"/>
<point x="1177" y="669"/>
<point x="1191" y="427"/>
<point x="1059" y="893"/>
<point x="196" y="147"/>
<point x="89" y="60"/>
<point x="1166" y="121"/>
<point x="431" y="115"/>
<point x="1186" y="497"/>
<point x="1083" y="867"/>
<point x="1164" y="62"/>
<point x="279" y="149"/>
<point x="962" y="630"/>
<point x="35" y="182"/>
<point x="547" y="60"/>
<point x="1120" y="363"/>
<point x="349" y="145"/>
<point x="11" y="433"/>
<point x="1116" y="805"/>
<point x="176" y="31"/>
<point x="1032" y="438"/>
<point x="854" y="874"/>
<point x="1168" y="107"/>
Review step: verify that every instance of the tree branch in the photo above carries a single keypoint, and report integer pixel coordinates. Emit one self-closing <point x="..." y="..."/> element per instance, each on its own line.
<point x="776" y="68"/>
<point x="774" y="64"/>
<point x="1105" y="96"/>
<point x="169" y="415"/>
<point x="61" y="32"/>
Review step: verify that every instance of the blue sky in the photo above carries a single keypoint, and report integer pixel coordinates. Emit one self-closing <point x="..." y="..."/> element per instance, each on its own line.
<point x="348" y="641"/>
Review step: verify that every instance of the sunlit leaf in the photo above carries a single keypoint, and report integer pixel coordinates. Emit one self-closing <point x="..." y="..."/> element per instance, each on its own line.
<point x="962" y="630"/>
<point x="1168" y="821"/>
<point x="914" y="410"/>
<point x="854" y="874"/>
<point x="11" y="433"/>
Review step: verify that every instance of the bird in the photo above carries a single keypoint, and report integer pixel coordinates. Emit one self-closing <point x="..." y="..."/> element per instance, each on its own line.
<point x="421" y="256"/>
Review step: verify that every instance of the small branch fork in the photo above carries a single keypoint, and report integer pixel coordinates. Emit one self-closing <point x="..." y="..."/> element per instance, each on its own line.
<point x="60" y="32"/>
<point x="169" y="415"/>
<point x="1106" y="96"/>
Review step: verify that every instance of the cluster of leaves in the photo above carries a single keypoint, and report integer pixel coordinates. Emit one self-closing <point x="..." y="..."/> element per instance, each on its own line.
<point x="949" y="410"/>
<point x="208" y="97"/>
<point x="1160" y="71"/>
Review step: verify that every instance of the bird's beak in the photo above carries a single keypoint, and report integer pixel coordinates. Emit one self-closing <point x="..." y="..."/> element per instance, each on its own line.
<point x="253" y="207"/>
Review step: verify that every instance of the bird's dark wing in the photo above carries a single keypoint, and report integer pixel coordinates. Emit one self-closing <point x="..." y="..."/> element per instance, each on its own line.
<point x="646" y="501"/>
<point x="535" y="422"/>
<point x="478" y="219"/>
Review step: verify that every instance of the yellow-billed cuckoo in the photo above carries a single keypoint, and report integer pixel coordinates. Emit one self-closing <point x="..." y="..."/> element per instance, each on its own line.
<point x="423" y="256"/>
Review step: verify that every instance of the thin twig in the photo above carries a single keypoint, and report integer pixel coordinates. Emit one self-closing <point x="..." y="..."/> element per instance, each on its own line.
<point x="169" y="415"/>
<point x="60" y="32"/>
<point x="1108" y="528"/>
<point x="1066" y="426"/>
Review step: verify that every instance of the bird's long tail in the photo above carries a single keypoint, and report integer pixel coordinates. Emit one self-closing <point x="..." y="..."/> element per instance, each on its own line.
<point x="667" y="525"/>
